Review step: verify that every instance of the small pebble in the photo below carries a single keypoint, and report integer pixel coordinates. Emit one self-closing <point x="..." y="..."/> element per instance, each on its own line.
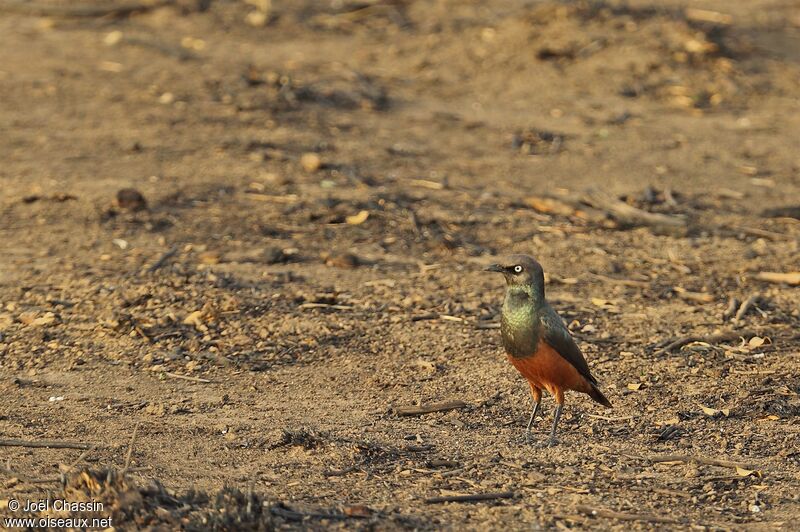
<point x="310" y="162"/>
<point x="130" y="199"/>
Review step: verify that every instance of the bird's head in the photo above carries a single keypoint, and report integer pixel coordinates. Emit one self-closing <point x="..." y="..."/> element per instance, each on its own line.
<point x="521" y="271"/>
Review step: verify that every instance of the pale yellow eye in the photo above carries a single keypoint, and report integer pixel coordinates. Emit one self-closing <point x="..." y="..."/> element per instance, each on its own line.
<point x="517" y="269"/>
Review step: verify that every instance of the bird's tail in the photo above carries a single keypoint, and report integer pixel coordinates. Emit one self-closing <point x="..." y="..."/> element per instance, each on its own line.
<point x="598" y="396"/>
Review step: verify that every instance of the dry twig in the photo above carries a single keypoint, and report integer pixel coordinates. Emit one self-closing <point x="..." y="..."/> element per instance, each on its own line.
<point x="50" y="444"/>
<point x="606" y="418"/>
<point x="163" y="259"/>
<point x="709" y="339"/>
<point x="83" y="455"/>
<point x="733" y="304"/>
<point x="129" y="454"/>
<point x="306" y="306"/>
<point x="477" y="497"/>
<point x="623" y="282"/>
<point x="630" y="215"/>
<point x="746" y="306"/>
<point x="696" y="459"/>
<point x="81" y="10"/>
<point x="187" y="378"/>
<point x="609" y="514"/>
<point x="429" y="408"/>
<point x="698" y="297"/>
<point x="792" y="278"/>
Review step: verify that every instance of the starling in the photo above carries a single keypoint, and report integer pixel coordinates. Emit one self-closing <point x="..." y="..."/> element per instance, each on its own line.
<point x="538" y="343"/>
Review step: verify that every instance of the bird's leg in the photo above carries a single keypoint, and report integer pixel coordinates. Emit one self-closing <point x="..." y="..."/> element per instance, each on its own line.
<point x="536" y="395"/>
<point x="560" y="402"/>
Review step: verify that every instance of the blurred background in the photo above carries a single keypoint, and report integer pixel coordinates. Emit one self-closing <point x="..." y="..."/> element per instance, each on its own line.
<point x="237" y="238"/>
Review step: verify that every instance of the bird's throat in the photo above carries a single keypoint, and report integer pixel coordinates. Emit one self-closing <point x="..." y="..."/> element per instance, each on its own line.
<point x="519" y="325"/>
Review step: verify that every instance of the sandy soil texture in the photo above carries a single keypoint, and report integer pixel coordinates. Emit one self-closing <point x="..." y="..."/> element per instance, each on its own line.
<point x="238" y="240"/>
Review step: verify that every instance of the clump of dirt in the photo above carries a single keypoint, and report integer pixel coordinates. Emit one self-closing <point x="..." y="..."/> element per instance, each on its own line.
<point x="130" y="505"/>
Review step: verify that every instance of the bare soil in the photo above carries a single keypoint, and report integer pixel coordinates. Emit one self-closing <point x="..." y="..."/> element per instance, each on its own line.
<point x="322" y="193"/>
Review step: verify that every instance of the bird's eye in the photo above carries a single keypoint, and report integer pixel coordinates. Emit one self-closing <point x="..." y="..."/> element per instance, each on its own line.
<point x="517" y="269"/>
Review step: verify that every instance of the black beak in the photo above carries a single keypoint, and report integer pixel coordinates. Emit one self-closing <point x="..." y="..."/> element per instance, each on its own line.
<point x="495" y="268"/>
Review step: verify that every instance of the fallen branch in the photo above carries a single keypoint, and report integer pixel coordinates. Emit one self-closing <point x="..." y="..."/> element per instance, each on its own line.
<point x="698" y="460"/>
<point x="129" y="454"/>
<point x="633" y="216"/>
<point x="83" y="455"/>
<point x="429" y="408"/>
<point x="163" y="259"/>
<point x="623" y="282"/>
<point x="339" y="472"/>
<point x="80" y="10"/>
<point x="605" y="418"/>
<point x="733" y="304"/>
<point x="792" y="278"/>
<point x="282" y="510"/>
<point x="306" y="306"/>
<point x="471" y="498"/>
<point x="51" y="444"/>
<point x="187" y="378"/>
<point x="288" y="198"/>
<point x="709" y="339"/>
<point x="565" y="205"/>
<point x="754" y="231"/>
<point x="596" y="207"/>
<point x="746" y="306"/>
<point x="705" y="15"/>
<point x="609" y="514"/>
<point x="697" y="297"/>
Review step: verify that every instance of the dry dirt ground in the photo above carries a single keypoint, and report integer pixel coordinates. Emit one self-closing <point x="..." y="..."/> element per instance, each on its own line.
<point x="323" y="190"/>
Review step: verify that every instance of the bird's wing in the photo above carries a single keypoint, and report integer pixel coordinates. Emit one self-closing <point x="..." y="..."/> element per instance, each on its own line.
<point x="558" y="337"/>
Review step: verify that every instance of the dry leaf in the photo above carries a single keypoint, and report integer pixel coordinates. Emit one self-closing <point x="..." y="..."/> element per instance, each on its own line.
<point x="709" y="411"/>
<point x="745" y="472"/>
<point x="756" y="341"/>
<point x="358" y="219"/>
<point x="670" y="421"/>
<point x="634" y="386"/>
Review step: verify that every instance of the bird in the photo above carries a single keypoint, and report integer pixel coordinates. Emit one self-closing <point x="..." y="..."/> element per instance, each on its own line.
<point x="537" y="343"/>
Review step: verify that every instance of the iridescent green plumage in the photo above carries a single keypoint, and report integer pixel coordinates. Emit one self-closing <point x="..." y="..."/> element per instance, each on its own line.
<point x="519" y="322"/>
<point x="527" y="319"/>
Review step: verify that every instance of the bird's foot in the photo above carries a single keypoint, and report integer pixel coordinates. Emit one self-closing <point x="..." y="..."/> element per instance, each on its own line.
<point x="528" y="438"/>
